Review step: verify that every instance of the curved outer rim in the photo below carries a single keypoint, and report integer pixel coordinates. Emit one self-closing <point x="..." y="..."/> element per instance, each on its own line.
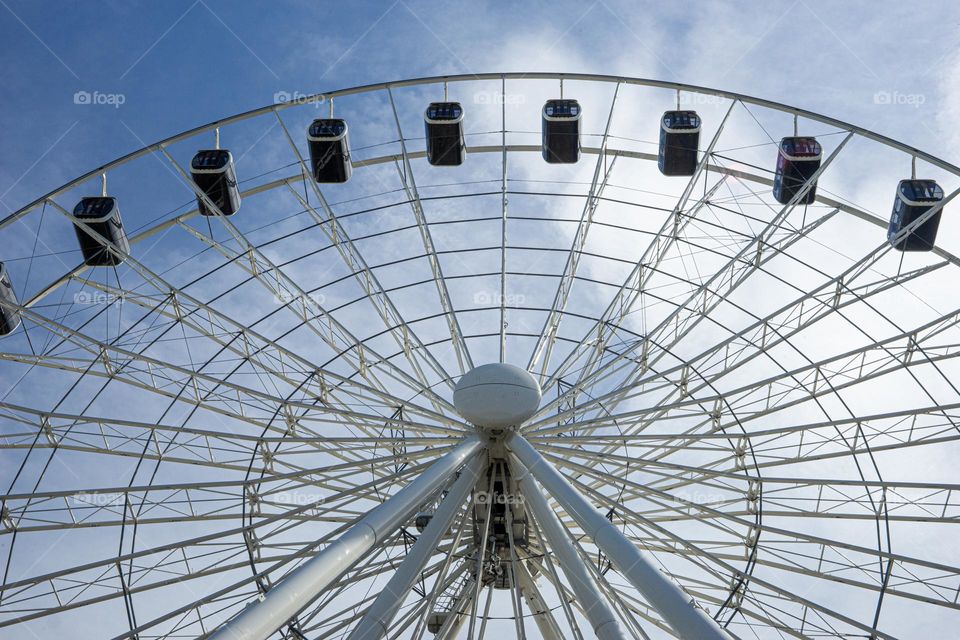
<point x="646" y="82"/>
<point x="587" y="77"/>
<point x="275" y="108"/>
<point x="637" y="155"/>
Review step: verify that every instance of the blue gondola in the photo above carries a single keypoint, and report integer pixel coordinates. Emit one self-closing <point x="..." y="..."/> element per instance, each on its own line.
<point x="214" y="174"/>
<point x="443" y="123"/>
<point x="9" y="318"/>
<point x="797" y="160"/>
<point x="329" y="150"/>
<point x="102" y="215"/>
<point x="914" y="198"/>
<point x="679" y="140"/>
<point x="561" y="131"/>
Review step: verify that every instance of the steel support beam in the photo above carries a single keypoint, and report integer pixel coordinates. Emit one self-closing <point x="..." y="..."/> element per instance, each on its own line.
<point x="598" y="612"/>
<point x="663" y="594"/>
<point x="376" y="621"/>
<point x="542" y="615"/>
<point x="298" y="589"/>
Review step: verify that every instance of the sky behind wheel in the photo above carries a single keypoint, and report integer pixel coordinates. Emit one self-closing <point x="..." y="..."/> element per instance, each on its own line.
<point x="96" y="81"/>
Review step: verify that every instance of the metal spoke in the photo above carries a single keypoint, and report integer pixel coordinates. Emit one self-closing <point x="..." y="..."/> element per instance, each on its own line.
<point x="410" y="187"/>
<point x="247" y="427"/>
<point x="544" y="346"/>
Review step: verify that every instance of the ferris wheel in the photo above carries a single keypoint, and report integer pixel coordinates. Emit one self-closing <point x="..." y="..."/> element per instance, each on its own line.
<point x="539" y="355"/>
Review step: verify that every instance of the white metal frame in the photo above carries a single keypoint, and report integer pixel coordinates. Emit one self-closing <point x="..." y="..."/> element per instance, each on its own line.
<point x="378" y="413"/>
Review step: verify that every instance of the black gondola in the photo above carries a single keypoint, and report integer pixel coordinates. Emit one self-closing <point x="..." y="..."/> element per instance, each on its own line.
<point x="798" y="159"/>
<point x="561" y="131"/>
<point x="679" y="140"/>
<point x="329" y="150"/>
<point x="9" y="318"/>
<point x="102" y="215"/>
<point x="914" y="198"/>
<point x="213" y="172"/>
<point x="443" y="123"/>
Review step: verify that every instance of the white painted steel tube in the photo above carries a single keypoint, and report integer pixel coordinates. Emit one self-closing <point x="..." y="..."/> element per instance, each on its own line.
<point x="663" y="594"/>
<point x="602" y="619"/>
<point x="298" y="589"/>
<point x="542" y="615"/>
<point x="378" y="617"/>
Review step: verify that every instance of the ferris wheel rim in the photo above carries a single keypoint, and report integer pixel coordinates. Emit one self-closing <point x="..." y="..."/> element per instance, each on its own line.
<point x="504" y="148"/>
<point x="514" y="75"/>
<point x="297" y="177"/>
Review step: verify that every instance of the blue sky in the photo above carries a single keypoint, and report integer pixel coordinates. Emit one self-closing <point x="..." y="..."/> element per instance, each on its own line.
<point x="178" y="64"/>
<point x="157" y="68"/>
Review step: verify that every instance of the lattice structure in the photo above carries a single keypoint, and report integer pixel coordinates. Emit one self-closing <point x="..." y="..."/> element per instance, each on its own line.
<point x="752" y="401"/>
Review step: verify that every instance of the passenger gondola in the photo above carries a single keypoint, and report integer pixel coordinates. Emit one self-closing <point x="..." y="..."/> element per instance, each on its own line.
<point x="214" y="174"/>
<point x="9" y="316"/>
<point x="561" y="131"/>
<point x="679" y="141"/>
<point x="329" y="150"/>
<point x="797" y="160"/>
<point x="443" y="122"/>
<point x="102" y="215"/>
<point x="915" y="198"/>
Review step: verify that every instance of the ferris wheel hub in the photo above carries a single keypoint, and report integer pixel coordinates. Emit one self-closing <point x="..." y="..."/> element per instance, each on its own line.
<point x="497" y="396"/>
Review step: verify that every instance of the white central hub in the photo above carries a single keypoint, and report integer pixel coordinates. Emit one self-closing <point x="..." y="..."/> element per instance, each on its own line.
<point x="497" y="396"/>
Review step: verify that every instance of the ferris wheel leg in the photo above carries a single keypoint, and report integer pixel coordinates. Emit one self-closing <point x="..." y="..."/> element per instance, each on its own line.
<point x="601" y="617"/>
<point x="663" y="594"/>
<point x="298" y="589"/>
<point x="542" y="615"/>
<point x="459" y="616"/>
<point x="376" y="620"/>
